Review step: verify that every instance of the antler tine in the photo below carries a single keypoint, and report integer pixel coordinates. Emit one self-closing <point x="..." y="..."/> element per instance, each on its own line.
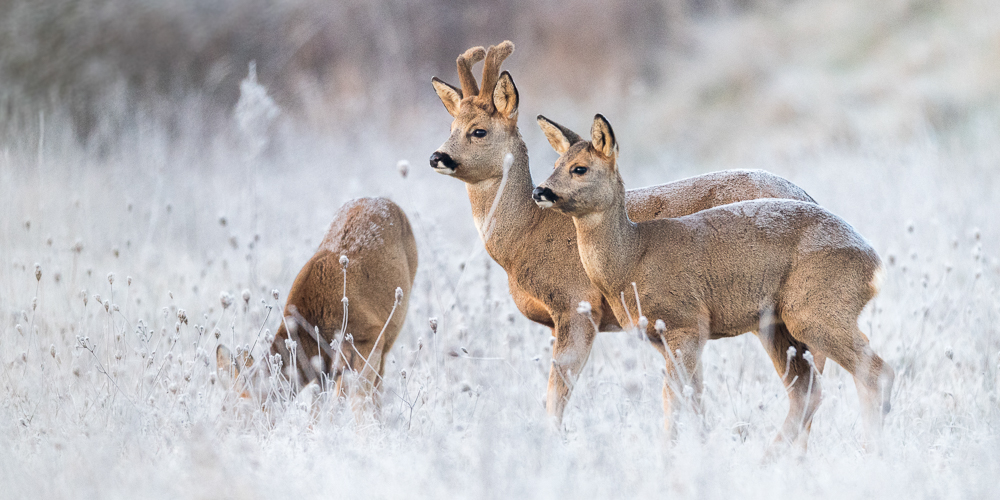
<point x="491" y="69"/>
<point x="464" y="63"/>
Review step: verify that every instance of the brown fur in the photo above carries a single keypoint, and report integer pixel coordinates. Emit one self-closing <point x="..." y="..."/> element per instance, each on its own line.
<point x="375" y="236"/>
<point x="785" y="266"/>
<point x="536" y="247"/>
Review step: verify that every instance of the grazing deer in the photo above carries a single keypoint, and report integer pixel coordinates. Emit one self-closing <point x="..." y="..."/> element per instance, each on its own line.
<point x="352" y="294"/>
<point x="537" y="247"/>
<point x="749" y="266"/>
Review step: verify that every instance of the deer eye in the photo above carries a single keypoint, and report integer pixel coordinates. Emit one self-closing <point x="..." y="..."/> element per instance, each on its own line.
<point x="578" y="170"/>
<point x="480" y="133"/>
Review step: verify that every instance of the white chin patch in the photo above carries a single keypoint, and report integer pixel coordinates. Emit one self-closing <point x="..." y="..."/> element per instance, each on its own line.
<point x="444" y="170"/>
<point x="544" y="203"/>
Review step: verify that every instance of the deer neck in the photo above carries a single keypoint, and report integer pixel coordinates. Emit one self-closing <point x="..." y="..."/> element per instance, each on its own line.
<point x="502" y="207"/>
<point x="609" y="246"/>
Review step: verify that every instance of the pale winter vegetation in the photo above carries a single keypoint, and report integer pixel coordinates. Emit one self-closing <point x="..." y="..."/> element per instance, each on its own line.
<point x="156" y="200"/>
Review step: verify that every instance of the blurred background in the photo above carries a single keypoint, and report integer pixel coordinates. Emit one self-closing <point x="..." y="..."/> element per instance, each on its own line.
<point x="708" y="79"/>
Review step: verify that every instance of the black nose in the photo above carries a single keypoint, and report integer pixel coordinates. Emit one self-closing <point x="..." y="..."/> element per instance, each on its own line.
<point x="442" y="160"/>
<point x="544" y="194"/>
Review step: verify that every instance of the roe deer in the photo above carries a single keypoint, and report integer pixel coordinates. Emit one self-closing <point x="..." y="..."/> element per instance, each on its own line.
<point x="748" y="266"/>
<point x="537" y="247"/>
<point x="364" y="268"/>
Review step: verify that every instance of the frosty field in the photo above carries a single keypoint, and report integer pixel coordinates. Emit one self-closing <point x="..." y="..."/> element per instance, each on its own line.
<point x="107" y="393"/>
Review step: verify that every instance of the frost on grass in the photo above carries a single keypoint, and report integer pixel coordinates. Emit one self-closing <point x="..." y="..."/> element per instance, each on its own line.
<point x="117" y="394"/>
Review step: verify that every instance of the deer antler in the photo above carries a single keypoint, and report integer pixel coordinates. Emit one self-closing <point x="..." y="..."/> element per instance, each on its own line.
<point x="491" y="69"/>
<point x="464" y="63"/>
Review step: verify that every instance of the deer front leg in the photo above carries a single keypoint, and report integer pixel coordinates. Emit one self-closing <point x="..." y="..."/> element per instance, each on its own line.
<point x="683" y="382"/>
<point x="574" y="333"/>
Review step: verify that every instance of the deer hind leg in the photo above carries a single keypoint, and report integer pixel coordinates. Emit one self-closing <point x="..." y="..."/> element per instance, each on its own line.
<point x="368" y="372"/>
<point x="574" y="335"/>
<point x="841" y="340"/>
<point x="682" y="385"/>
<point x="801" y="383"/>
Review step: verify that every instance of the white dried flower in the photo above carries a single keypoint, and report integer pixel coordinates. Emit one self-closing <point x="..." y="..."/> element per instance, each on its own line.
<point x="584" y="307"/>
<point x="52" y="350"/>
<point x="128" y="280"/>
<point x="274" y="293"/>
<point x="434" y="324"/>
<point x="38" y="272"/>
<point x="344" y="260"/>
<point x="85" y="298"/>
<point x="107" y="306"/>
<point x="246" y="296"/>
<point x="660" y="326"/>
<point x="643" y="323"/>
<point x="226" y="300"/>
<point x="182" y="316"/>
<point x="111" y="278"/>
<point x="404" y="168"/>
<point x="399" y="295"/>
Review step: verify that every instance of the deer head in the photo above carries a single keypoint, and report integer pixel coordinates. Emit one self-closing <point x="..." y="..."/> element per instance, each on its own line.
<point x="586" y="176"/>
<point x="484" y="128"/>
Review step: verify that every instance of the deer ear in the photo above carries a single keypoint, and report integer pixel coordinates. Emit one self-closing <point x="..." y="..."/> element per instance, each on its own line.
<point x="561" y="138"/>
<point x="450" y="96"/>
<point x="505" y="97"/>
<point x="224" y="361"/>
<point x="603" y="138"/>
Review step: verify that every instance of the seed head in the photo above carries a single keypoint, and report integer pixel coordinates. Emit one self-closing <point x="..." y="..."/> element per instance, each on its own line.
<point x="226" y="300"/>
<point x="404" y="168"/>
<point x="84" y="293"/>
<point x="182" y="316"/>
<point x="808" y="356"/>
<point x="274" y="293"/>
<point x="107" y="306"/>
<point x="660" y="326"/>
<point x="399" y="295"/>
<point x="38" y="272"/>
<point x="52" y="350"/>
<point x="584" y="307"/>
<point x="111" y="278"/>
<point x="128" y="280"/>
<point x="643" y="323"/>
<point x="434" y="324"/>
<point x="344" y="260"/>
<point x="246" y="296"/>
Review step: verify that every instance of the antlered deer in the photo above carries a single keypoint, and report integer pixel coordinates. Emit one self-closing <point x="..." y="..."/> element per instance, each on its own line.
<point x="364" y="268"/>
<point x="748" y="266"/>
<point x="537" y="247"/>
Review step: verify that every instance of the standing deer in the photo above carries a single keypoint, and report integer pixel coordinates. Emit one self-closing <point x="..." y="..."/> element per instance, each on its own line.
<point x="721" y="272"/>
<point x="537" y="247"/>
<point x="353" y="293"/>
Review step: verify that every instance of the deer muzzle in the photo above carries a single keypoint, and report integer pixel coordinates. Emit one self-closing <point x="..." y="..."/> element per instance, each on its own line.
<point x="443" y="163"/>
<point x="544" y="197"/>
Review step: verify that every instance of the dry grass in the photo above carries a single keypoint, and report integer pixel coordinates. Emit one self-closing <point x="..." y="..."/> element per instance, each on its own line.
<point x="887" y="116"/>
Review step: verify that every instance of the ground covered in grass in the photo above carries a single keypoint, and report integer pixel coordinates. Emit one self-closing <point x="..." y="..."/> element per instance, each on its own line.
<point x="108" y="392"/>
